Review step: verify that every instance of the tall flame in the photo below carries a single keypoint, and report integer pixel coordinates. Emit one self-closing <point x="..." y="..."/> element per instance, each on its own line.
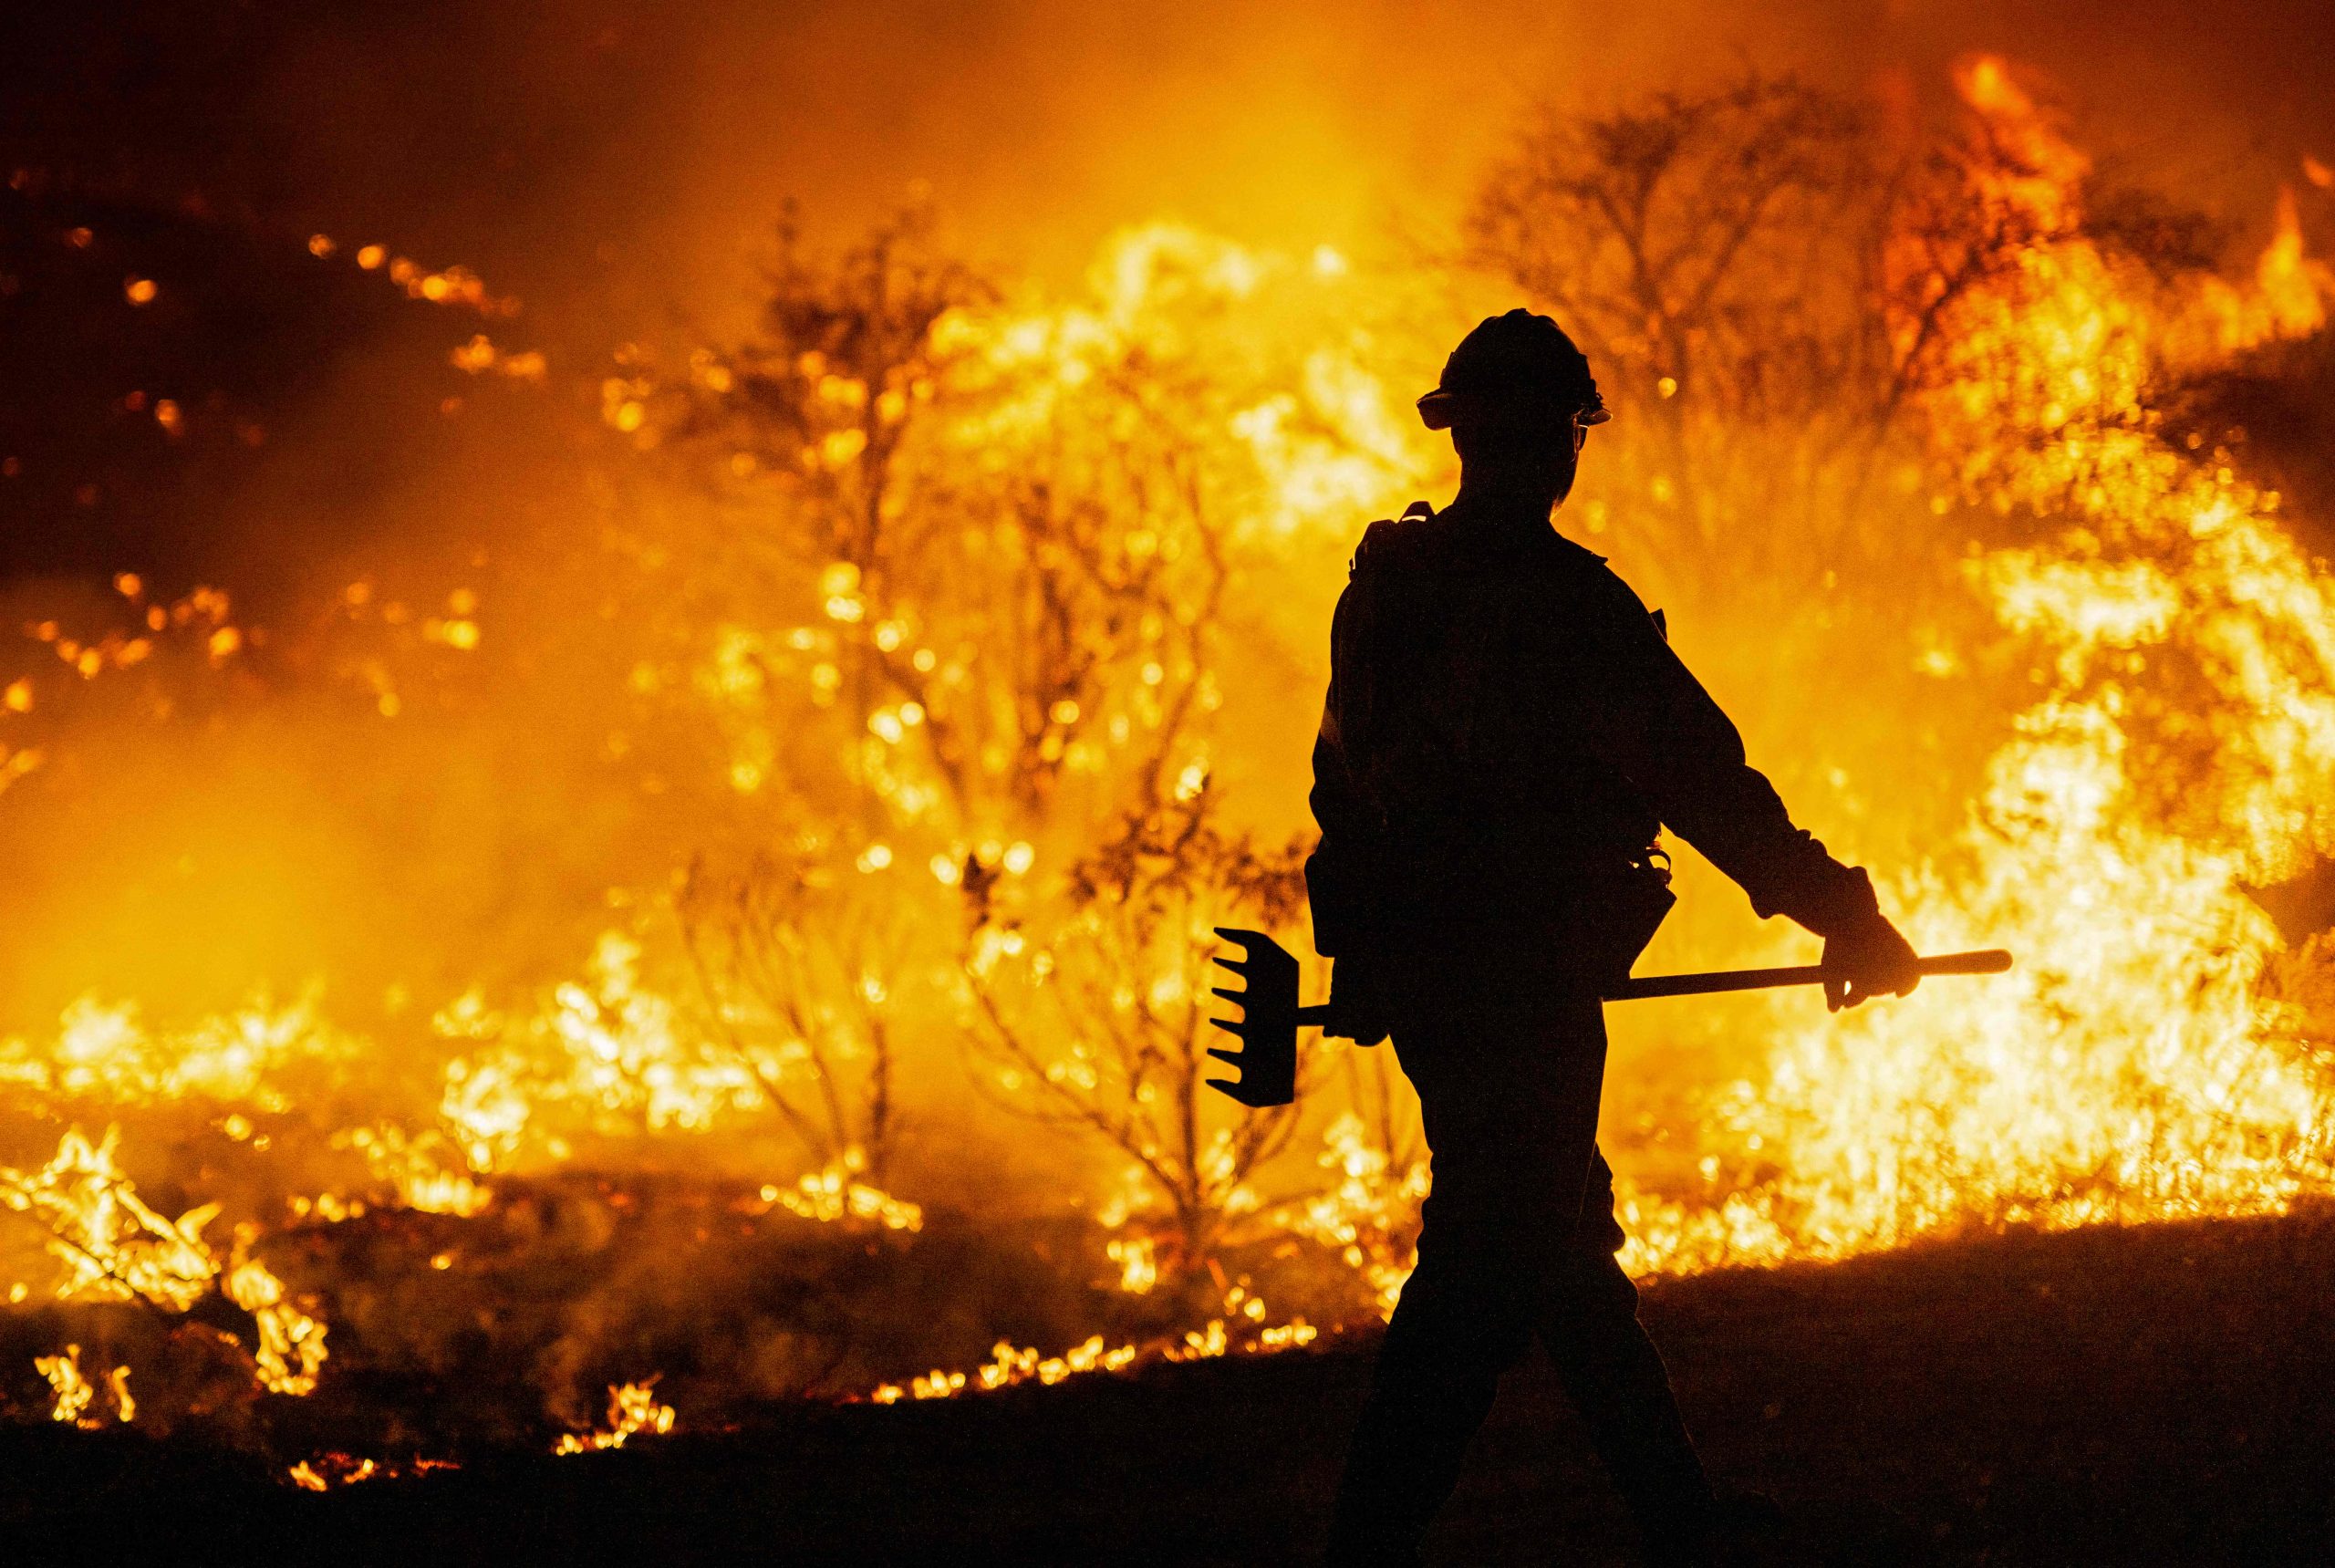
<point x="2181" y="745"/>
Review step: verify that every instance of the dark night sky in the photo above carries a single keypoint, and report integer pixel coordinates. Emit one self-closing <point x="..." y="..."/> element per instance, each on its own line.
<point x="526" y="137"/>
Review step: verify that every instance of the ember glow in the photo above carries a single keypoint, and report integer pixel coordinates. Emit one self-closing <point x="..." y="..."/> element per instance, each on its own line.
<point x="745" y="933"/>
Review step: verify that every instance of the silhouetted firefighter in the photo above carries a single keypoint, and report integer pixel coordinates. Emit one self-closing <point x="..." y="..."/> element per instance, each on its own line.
<point x="1507" y="731"/>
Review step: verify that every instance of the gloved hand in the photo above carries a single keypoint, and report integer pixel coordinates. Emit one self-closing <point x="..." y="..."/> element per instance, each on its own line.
<point x="1360" y="1009"/>
<point x="1870" y="959"/>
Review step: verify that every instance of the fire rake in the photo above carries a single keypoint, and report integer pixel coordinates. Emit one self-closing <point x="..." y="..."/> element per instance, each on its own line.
<point x="1270" y="1017"/>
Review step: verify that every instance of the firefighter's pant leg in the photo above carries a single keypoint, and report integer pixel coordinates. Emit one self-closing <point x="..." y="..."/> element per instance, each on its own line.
<point x="1518" y="1240"/>
<point x="1609" y="1366"/>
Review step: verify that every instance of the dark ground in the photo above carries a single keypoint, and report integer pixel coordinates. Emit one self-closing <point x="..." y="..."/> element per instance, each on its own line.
<point x="2138" y="1396"/>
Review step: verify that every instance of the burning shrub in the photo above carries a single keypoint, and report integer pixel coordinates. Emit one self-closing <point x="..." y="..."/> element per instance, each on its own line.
<point x="1098" y="1021"/>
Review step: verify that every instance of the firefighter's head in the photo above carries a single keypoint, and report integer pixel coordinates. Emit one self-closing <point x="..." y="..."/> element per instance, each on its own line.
<point x="1518" y="399"/>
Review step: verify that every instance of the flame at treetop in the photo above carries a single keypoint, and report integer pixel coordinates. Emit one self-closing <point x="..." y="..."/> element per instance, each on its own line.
<point x="948" y="656"/>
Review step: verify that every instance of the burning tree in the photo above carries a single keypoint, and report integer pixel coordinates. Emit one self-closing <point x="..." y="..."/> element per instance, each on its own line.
<point x="1712" y="245"/>
<point x="1715" y="253"/>
<point x="1010" y="541"/>
<point x="1004" y="533"/>
<point x="1768" y="278"/>
<point x="795" y="955"/>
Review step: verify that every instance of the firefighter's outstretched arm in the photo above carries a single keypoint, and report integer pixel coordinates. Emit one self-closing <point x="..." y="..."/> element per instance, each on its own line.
<point x="1652" y="720"/>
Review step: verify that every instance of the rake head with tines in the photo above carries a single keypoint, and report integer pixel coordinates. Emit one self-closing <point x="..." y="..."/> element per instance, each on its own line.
<point x="1267" y="1028"/>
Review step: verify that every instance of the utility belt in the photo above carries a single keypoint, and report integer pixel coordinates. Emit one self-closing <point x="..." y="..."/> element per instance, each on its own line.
<point x="1584" y="912"/>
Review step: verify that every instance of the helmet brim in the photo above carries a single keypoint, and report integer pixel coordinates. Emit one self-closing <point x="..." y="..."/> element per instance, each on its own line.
<point x="1439" y="408"/>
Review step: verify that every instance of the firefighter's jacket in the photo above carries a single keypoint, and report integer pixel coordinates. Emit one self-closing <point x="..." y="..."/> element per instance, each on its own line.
<point x="1506" y="729"/>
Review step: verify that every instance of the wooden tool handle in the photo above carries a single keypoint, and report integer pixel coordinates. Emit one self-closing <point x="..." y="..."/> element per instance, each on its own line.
<point x="1987" y="960"/>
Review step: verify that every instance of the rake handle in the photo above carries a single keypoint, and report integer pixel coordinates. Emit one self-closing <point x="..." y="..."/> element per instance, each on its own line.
<point x="1985" y="960"/>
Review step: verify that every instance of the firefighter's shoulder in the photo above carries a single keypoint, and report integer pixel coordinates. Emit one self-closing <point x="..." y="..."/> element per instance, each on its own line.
<point x="1562" y="561"/>
<point x="1392" y="540"/>
<point x="1583" y="576"/>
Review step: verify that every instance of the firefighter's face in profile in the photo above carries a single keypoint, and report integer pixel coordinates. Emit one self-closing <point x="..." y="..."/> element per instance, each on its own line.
<point x="1530" y="445"/>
